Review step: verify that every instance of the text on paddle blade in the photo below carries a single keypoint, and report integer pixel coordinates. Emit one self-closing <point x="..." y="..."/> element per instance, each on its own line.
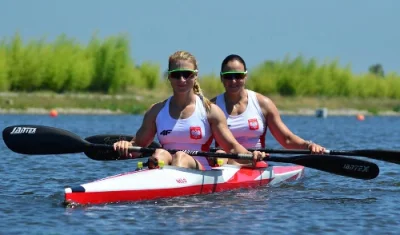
<point x="360" y="168"/>
<point x="23" y="130"/>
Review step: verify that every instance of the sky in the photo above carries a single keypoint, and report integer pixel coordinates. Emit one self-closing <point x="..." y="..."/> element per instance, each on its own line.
<point x="356" y="32"/>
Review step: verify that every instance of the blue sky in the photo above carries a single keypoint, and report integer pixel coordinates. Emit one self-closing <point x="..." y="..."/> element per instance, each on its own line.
<point x="357" y="32"/>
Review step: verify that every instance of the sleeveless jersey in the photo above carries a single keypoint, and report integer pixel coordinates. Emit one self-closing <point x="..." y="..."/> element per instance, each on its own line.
<point x="192" y="133"/>
<point x="249" y="128"/>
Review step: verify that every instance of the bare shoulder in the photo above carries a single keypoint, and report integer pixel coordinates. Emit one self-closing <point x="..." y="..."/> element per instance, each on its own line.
<point x="154" y="109"/>
<point x="264" y="101"/>
<point x="149" y="122"/>
<point x="216" y="112"/>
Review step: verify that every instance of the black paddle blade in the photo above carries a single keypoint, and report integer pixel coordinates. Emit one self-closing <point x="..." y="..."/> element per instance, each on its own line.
<point x="338" y="165"/>
<point x="42" y="140"/>
<point x="109" y="154"/>
<point x="392" y="156"/>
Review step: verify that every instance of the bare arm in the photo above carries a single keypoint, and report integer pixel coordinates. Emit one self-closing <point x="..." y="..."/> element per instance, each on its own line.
<point x="278" y="129"/>
<point x="145" y="134"/>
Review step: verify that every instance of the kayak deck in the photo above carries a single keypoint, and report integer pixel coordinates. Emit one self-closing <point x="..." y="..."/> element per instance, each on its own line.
<point x="170" y="181"/>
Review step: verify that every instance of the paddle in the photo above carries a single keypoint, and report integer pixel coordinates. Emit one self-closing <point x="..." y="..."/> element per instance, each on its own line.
<point x="333" y="164"/>
<point x="42" y="140"/>
<point x="109" y="154"/>
<point x="392" y="156"/>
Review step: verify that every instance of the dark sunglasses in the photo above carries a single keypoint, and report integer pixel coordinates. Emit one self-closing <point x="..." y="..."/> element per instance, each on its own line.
<point x="230" y="75"/>
<point x="178" y="73"/>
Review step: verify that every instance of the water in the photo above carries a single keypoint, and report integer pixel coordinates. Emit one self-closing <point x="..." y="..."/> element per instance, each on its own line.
<point x="31" y="189"/>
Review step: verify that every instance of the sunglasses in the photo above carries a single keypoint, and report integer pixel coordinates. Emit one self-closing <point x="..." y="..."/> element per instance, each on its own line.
<point x="230" y="75"/>
<point x="178" y="73"/>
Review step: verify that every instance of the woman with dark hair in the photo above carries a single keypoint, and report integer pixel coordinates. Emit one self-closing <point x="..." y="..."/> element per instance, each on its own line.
<point x="249" y="114"/>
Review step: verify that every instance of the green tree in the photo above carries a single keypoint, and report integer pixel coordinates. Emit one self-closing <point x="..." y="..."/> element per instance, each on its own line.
<point x="377" y="69"/>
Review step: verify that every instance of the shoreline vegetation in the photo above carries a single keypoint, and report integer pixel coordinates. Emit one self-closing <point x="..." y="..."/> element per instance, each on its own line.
<point x="100" y="77"/>
<point x="138" y="101"/>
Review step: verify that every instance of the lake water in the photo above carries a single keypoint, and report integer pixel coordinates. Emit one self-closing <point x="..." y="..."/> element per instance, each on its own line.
<point x="31" y="188"/>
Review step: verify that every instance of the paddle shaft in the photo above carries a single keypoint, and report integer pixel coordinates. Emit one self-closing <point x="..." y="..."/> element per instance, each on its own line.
<point x="243" y="156"/>
<point x="365" y="152"/>
<point x="329" y="163"/>
<point x="392" y="156"/>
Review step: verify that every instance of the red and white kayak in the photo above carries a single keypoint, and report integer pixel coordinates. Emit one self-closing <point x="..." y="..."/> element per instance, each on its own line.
<point x="170" y="181"/>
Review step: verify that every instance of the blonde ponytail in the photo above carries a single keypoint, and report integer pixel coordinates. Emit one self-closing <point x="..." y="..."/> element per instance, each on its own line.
<point x="197" y="90"/>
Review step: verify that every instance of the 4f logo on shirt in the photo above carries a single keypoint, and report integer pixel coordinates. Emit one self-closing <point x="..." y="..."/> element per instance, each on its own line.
<point x="253" y="124"/>
<point x="195" y="132"/>
<point x="165" y="132"/>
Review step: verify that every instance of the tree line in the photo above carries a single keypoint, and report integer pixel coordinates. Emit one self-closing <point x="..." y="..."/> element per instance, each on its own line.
<point x="106" y="65"/>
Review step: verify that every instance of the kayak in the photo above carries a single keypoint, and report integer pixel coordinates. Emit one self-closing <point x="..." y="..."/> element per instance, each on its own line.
<point x="170" y="181"/>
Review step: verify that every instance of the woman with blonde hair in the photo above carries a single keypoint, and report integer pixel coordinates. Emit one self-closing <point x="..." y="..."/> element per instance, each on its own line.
<point x="186" y="120"/>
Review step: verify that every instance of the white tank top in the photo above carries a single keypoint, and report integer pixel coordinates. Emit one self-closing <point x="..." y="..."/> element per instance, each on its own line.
<point x="192" y="133"/>
<point x="249" y="128"/>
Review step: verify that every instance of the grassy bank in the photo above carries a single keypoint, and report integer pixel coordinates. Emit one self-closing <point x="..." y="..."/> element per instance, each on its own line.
<point x="102" y="75"/>
<point x="137" y="101"/>
<point x="106" y="66"/>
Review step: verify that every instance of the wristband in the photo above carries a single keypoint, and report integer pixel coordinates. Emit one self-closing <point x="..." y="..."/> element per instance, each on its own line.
<point x="308" y="143"/>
